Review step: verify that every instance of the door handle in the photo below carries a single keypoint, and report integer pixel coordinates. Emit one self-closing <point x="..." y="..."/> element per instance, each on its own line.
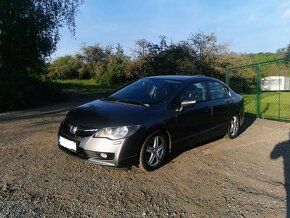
<point x="209" y="109"/>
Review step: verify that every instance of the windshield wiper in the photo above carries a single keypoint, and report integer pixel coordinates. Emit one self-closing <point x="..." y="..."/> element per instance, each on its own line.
<point x="134" y="102"/>
<point x="126" y="101"/>
<point x="110" y="99"/>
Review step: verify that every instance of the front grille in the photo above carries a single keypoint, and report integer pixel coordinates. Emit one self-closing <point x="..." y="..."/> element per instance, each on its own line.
<point x="74" y="130"/>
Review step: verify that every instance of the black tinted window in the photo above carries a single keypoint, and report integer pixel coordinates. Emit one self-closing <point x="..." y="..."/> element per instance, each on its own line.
<point x="217" y="90"/>
<point x="196" y="91"/>
<point x="149" y="90"/>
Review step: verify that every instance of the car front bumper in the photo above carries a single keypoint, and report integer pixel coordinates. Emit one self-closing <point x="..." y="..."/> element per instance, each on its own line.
<point x="101" y="151"/>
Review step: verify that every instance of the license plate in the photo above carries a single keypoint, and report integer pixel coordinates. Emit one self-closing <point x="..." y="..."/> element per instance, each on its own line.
<point x="67" y="143"/>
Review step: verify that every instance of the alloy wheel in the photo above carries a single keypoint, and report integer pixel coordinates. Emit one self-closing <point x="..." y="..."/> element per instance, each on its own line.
<point x="234" y="126"/>
<point x="155" y="151"/>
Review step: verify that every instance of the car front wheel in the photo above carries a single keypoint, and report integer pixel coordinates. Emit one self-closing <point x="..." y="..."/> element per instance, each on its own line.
<point x="153" y="151"/>
<point x="234" y="127"/>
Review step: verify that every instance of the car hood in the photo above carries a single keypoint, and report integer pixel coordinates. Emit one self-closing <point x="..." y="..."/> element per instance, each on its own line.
<point x="100" y="113"/>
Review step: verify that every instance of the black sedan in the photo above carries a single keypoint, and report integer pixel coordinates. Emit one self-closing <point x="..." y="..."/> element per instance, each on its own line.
<point x="142" y="122"/>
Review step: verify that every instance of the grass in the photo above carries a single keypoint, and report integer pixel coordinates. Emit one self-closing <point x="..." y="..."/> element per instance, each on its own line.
<point x="86" y="86"/>
<point x="270" y="106"/>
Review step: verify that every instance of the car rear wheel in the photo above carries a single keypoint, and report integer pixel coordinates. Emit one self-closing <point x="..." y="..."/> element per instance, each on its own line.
<point x="153" y="151"/>
<point x="234" y="127"/>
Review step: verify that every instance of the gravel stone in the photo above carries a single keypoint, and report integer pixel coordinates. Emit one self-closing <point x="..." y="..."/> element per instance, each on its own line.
<point x="243" y="177"/>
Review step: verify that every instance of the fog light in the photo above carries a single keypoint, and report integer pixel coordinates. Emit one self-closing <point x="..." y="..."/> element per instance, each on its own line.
<point x="104" y="155"/>
<point x="117" y="142"/>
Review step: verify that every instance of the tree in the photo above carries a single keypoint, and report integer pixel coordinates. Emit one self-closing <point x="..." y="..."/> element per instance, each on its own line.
<point x="206" y="51"/>
<point x="287" y="54"/>
<point x="165" y="58"/>
<point x="115" y="73"/>
<point x="182" y="54"/>
<point x="29" y="32"/>
<point x="140" y="65"/>
<point x="115" y="69"/>
<point x="141" y="48"/>
<point x="95" y="57"/>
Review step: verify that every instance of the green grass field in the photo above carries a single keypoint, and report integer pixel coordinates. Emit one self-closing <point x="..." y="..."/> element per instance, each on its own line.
<point x="270" y="106"/>
<point x="86" y="86"/>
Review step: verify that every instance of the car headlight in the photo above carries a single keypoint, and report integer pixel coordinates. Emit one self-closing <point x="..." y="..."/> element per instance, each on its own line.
<point x="116" y="132"/>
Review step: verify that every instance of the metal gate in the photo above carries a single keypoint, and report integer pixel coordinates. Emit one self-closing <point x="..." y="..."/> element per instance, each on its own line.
<point x="265" y="87"/>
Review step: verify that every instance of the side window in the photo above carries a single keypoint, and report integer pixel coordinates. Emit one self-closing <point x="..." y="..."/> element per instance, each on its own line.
<point x="196" y="91"/>
<point x="217" y="90"/>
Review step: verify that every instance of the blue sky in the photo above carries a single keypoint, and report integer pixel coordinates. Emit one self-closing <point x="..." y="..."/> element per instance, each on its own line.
<point x="247" y="25"/>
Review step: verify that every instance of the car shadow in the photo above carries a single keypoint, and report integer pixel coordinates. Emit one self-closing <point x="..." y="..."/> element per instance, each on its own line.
<point x="248" y="121"/>
<point x="283" y="150"/>
<point x="181" y="149"/>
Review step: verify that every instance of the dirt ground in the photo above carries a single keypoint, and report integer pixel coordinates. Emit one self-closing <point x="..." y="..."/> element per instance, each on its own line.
<point x="244" y="177"/>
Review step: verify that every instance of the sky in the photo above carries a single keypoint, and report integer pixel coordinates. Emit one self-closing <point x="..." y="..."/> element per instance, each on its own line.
<point x="248" y="26"/>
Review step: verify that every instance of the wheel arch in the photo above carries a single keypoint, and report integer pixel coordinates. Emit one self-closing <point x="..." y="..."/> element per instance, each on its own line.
<point x="168" y="136"/>
<point x="238" y="113"/>
<point x="165" y="132"/>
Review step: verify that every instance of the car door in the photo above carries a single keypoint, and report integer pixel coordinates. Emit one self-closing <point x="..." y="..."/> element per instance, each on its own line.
<point x="220" y="101"/>
<point x="195" y="119"/>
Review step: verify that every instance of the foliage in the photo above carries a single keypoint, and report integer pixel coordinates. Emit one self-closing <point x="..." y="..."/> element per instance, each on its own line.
<point x="263" y="57"/>
<point x="200" y="54"/>
<point x="106" y="65"/>
<point x="197" y="55"/>
<point x="86" y="85"/>
<point x="65" y="67"/>
<point x="26" y="92"/>
<point x="206" y="51"/>
<point x="167" y="58"/>
<point x="287" y="53"/>
<point x="95" y="57"/>
<point x="29" y="32"/>
<point x="115" y="69"/>
<point x="244" y="79"/>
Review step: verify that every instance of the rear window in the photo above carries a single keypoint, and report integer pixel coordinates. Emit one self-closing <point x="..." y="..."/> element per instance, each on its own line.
<point x="217" y="90"/>
<point x="196" y="91"/>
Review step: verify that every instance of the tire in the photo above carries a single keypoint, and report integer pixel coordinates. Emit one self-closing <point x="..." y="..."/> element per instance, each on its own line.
<point x="153" y="151"/>
<point x="234" y="127"/>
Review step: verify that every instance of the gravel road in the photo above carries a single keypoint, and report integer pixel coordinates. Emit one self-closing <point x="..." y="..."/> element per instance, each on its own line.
<point x="244" y="177"/>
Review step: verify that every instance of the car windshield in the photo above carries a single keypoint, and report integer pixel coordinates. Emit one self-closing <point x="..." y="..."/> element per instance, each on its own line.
<point x="148" y="91"/>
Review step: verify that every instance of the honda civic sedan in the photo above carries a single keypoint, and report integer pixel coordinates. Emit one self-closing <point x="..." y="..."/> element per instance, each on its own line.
<point x="142" y="122"/>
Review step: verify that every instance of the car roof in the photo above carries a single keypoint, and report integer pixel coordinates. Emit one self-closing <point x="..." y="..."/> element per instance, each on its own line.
<point x="181" y="78"/>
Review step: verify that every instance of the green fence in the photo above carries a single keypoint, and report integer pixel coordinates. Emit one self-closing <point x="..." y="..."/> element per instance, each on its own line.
<point x="265" y="87"/>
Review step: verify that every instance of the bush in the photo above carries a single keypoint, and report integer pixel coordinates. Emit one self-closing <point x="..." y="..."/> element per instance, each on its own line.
<point x="103" y="80"/>
<point x="115" y="72"/>
<point x="25" y="92"/>
<point x="65" y="68"/>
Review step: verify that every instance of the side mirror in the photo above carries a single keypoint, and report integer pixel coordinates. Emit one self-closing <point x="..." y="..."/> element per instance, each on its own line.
<point x="186" y="103"/>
